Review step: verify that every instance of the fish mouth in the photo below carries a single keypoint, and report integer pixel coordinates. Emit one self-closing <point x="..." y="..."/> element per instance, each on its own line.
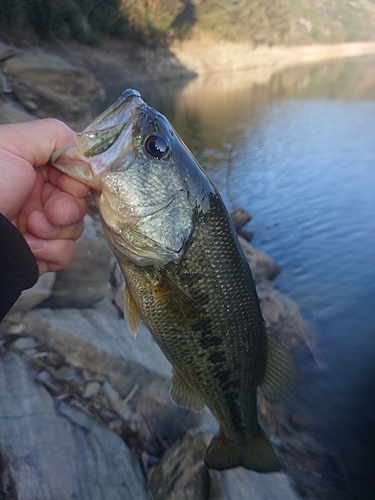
<point x="98" y="149"/>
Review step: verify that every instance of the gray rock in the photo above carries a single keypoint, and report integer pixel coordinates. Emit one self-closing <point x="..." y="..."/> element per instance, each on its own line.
<point x="282" y="316"/>
<point x="7" y="51"/>
<point x="50" y="456"/>
<point x="35" y="295"/>
<point x="93" y="341"/>
<point x="24" y="343"/>
<point x="52" y="86"/>
<point x="262" y="266"/>
<point x="241" y="484"/>
<point x="85" y="281"/>
<point x="13" y="113"/>
<point x="92" y="388"/>
<point x="104" y="465"/>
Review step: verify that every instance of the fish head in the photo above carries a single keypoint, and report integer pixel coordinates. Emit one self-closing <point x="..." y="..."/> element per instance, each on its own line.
<point x="150" y="191"/>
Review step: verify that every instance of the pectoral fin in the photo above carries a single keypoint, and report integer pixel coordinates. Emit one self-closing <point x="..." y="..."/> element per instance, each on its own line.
<point x="281" y="373"/>
<point x="183" y="395"/>
<point x="131" y="313"/>
<point x="175" y="302"/>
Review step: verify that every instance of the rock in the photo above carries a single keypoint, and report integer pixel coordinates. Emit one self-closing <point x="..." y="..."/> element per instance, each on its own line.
<point x="241" y="484"/>
<point x="51" y="86"/>
<point x="7" y="51"/>
<point x="51" y="455"/>
<point x="262" y="266"/>
<point x="91" y="389"/>
<point x="282" y="316"/>
<point x="181" y="475"/>
<point x="85" y="281"/>
<point x="4" y="85"/>
<point x="239" y="217"/>
<point x="98" y="343"/>
<point x="13" y="113"/>
<point x="35" y="295"/>
<point x="46" y="379"/>
<point x="24" y="343"/>
<point x="120" y="406"/>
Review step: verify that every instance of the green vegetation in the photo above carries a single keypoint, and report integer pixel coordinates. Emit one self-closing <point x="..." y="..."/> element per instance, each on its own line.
<point x="158" y="22"/>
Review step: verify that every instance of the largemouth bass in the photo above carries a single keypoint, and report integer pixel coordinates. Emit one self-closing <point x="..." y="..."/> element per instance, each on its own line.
<point x="186" y="275"/>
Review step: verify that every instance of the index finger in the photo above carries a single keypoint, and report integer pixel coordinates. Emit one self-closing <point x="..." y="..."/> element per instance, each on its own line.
<point x="35" y="141"/>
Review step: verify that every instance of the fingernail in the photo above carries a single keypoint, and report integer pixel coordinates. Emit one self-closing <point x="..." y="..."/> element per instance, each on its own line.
<point x="36" y="244"/>
<point x="69" y="213"/>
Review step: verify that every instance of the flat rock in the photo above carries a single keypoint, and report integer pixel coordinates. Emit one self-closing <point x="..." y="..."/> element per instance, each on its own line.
<point x="51" y="455"/>
<point x="91" y="340"/>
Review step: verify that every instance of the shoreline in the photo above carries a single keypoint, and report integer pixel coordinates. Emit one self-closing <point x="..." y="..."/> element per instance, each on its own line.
<point x="208" y="57"/>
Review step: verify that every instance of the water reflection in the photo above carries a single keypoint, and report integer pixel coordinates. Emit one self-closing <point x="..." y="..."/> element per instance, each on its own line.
<point x="297" y="150"/>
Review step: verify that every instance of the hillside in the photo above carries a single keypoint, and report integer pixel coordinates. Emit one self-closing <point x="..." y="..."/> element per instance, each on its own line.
<point x="159" y="22"/>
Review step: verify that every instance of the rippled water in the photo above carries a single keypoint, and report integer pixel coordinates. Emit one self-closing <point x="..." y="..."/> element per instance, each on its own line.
<point x="297" y="150"/>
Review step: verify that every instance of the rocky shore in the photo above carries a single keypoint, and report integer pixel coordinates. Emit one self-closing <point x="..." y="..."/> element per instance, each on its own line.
<point x="85" y="410"/>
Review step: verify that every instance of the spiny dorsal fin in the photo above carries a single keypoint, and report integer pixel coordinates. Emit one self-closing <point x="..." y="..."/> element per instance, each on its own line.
<point x="183" y="395"/>
<point x="257" y="454"/>
<point x="131" y="313"/>
<point x="281" y="373"/>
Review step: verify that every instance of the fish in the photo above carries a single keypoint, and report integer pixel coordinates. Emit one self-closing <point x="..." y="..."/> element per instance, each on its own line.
<point x="186" y="275"/>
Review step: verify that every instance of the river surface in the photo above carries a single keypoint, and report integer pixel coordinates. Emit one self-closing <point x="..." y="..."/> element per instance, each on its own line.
<point x="297" y="150"/>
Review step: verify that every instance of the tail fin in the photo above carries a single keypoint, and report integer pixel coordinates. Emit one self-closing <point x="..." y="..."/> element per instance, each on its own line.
<point x="256" y="455"/>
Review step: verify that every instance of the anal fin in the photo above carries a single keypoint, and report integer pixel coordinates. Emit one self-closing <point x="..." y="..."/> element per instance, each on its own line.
<point x="257" y="454"/>
<point x="183" y="395"/>
<point x="131" y="313"/>
<point x="281" y="373"/>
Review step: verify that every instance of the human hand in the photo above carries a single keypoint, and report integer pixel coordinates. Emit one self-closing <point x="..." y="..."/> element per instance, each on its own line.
<point x="46" y="205"/>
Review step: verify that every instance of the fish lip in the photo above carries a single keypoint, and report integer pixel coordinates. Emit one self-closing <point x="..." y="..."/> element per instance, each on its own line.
<point x="123" y="110"/>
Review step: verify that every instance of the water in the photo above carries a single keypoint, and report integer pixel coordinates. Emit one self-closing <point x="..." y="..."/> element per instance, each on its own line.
<point x="297" y="150"/>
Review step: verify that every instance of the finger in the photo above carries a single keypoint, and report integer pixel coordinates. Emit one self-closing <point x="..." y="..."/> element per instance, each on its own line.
<point x="39" y="226"/>
<point x="51" y="255"/>
<point x="67" y="184"/>
<point x="62" y="209"/>
<point x="35" y="141"/>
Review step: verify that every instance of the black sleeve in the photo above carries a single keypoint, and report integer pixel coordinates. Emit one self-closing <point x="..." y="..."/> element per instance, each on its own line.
<point x="18" y="267"/>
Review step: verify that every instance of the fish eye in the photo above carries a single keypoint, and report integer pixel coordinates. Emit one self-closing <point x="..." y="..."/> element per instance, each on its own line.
<point x="157" y="146"/>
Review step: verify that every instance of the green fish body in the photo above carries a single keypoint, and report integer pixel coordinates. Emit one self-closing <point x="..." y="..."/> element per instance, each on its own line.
<point x="186" y="275"/>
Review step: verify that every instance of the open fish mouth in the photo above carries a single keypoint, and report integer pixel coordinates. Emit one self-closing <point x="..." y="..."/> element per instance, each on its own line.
<point x="109" y="137"/>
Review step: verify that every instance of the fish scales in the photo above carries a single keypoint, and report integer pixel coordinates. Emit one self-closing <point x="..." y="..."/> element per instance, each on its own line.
<point x="221" y="333"/>
<point x="185" y="272"/>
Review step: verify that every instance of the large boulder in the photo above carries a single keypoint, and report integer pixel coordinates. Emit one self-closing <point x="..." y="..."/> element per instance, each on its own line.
<point x="48" y="85"/>
<point x="50" y="454"/>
